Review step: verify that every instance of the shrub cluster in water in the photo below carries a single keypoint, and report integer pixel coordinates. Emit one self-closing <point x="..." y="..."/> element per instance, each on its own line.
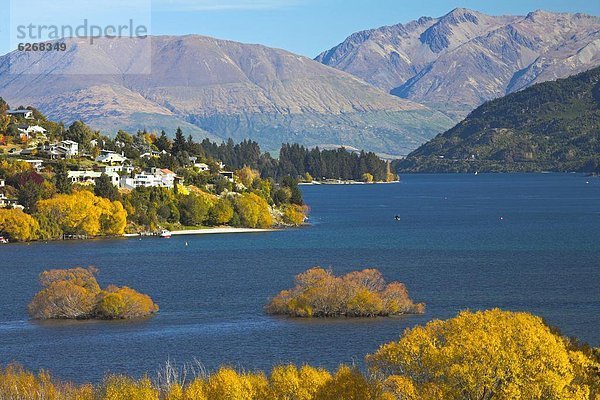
<point x="318" y="293"/>
<point x="484" y="355"/>
<point x="75" y="294"/>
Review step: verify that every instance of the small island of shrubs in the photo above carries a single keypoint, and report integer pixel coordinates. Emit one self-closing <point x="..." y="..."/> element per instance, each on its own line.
<point x="318" y="293"/>
<point x="75" y="294"/>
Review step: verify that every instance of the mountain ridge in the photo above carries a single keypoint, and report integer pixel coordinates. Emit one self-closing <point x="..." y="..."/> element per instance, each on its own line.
<point x="460" y="60"/>
<point x="218" y="89"/>
<point x="550" y="126"/>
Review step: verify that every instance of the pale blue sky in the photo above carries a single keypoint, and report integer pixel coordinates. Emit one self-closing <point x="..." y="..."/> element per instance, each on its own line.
<point x="303" y="26"/>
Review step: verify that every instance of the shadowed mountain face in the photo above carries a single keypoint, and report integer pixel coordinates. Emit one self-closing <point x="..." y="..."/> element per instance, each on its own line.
<point x="218" y="89"/>
<point x="457" y="62"/>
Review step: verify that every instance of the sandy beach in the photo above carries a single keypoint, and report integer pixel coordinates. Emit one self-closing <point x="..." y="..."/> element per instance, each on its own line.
<point x="209" y="231"/>
<point x="220" y="230"/>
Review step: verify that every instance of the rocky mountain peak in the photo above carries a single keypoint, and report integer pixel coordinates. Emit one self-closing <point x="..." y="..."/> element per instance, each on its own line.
<point x="464" y="58"/>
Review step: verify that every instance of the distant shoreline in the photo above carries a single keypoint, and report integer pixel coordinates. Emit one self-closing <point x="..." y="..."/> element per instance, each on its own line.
<point x="342" y="182"/>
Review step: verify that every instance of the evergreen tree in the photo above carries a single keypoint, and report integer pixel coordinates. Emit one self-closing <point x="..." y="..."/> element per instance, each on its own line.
<point x="28" y="195"/>
<point x="4" y="107"/>
<point x="163" y="143"/>
<point x="61" y="178"/>
<point x="179" y="144"/>
<point x="105" y="188"/>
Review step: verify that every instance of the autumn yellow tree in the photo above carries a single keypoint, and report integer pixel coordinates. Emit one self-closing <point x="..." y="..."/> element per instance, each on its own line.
<point x="318" y="293"/>
<point x="84" y="213"/>
<point x="67" y="294"/>
<point x="291" y="382"/>
<point x="247" y="176"/>
<point x="14" y="167"/>
<point x="123" y="302"/>
<point x="75" y="294"/>
<point x="482" y="355"/>
<point x="254" y="211"/>
<point x="294" y="214"/>
<point x="221" y="213"/>
<point x="350" y="384"/>
<point x="227" y="384"/>
<point x="17" y="225"/>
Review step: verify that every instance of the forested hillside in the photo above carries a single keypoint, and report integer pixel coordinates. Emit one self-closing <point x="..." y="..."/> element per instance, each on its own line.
<point x="553" y="126"/>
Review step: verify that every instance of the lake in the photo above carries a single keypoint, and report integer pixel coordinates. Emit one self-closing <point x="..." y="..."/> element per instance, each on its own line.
<point x="518" y="242"/>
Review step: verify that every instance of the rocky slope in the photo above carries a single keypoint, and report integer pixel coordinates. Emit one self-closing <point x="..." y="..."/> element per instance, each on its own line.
<point x="215" y="88"/>
<point x="551" y="126"/>
<point x="456" y="62"/>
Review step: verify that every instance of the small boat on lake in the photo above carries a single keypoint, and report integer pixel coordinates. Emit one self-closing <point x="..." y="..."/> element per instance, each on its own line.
<point x="3" y="240"/>
<point x="165" y="234"/>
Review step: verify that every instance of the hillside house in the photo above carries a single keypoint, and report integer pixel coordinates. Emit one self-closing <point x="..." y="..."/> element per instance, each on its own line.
<point x="128" y="169"/>
<point x="112" y="158"/>
<point x="28" y="132"/>
<point x="57" y="151"/>
<point x="157" y="177"/>
<point x="26" y="114"/>
<point x="227" y="174"/>
<point x="5" y="202"/>
<point x="202" y="166"/>
<point x="89" y="177"/>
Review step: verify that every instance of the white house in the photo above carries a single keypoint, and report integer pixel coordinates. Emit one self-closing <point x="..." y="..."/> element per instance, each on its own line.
<point x="71" y="146"/>
<point x="227" y="174"/>
<point x="157" y="177"/>
<point x="111" y="158"/>
<point x="28" y="131"/>
<point x="64" y="149"/>
<point x="117" y="168"/>
<point x="9" y="203"/>
<point x="27" y="114"/>
<point x="2" y="183"/>
<point x="89" y="177"/>
<point x="202" y="166"/>
<point x="153" y="153"/>
<point x="31" y="129"/>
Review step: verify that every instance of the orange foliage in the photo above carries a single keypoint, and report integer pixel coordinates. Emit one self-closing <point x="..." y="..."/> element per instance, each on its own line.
<point x="124" y="302"/>
<point x="318" y="293"/>
<point x="75" y="294"/>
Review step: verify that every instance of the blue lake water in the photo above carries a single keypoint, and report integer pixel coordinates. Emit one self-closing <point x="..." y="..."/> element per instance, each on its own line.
<point x="518" y="242"/>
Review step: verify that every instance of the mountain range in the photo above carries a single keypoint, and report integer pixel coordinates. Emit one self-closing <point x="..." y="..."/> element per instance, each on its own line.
<point x="387" y="90"/>
<point x="218" y="89"/>
<point x="457" y="62"/>
<point x="551" y="126"/>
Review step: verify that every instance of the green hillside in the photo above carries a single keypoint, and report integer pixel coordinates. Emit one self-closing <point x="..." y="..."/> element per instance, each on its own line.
<point x="552" y="126"/>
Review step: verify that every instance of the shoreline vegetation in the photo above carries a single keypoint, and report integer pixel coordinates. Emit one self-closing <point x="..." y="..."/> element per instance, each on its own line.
<point x="75" y="294"/>
<point x="320" y="294"/>
<point x="475" y="355"/>
<point x="72" y="182"/>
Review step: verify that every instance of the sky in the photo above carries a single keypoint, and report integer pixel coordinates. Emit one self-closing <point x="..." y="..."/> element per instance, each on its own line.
<point x="306" y="27"/>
